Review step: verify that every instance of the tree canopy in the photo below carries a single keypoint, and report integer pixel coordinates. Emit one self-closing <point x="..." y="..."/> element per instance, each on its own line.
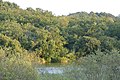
<point x="53" y="37"/>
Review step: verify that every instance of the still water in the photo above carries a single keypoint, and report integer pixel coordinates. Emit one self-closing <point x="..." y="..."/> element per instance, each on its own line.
<point x="52" y="68"/>
<point x="78" y="72"/>
<point x="58" y="72"/>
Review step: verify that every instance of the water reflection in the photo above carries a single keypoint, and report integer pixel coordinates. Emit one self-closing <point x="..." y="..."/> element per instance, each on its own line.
<point x="50" y="70"/>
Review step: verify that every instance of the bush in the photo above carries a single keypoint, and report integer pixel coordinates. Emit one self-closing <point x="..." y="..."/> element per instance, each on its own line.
<point x="16" y="68"/>
<point x="100" y="66"/>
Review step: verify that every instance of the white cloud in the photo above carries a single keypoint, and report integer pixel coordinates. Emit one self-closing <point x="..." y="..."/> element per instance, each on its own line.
<point x="69" y="6"/>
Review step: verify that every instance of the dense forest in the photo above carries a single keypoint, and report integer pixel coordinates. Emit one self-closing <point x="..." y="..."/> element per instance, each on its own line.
<point x="36" y="36"/>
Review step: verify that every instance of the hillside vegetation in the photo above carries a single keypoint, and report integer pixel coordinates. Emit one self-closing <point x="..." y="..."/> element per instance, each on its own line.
<point x="37" y="36"/>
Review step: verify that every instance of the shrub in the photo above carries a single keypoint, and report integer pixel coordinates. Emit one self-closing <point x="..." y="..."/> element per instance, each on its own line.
<point x="16" y="68"/>
<point x="100" y="66"/>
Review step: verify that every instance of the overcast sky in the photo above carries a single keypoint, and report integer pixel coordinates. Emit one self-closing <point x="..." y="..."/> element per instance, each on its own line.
<point x="64" y="7"/>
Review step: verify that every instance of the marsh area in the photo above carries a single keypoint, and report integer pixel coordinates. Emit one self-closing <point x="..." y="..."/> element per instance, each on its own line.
<point x="78" y="72"/>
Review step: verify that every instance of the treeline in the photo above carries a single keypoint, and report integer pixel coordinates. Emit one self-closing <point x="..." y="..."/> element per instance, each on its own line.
<point x="38" y="34"/>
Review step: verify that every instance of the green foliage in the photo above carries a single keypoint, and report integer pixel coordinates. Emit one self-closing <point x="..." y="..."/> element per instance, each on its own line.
<point x="114" y="30"/>
<point x="92" y="67"/>
<point x="52" y="38"/>
<point x="100" y="66"/>
<point x="16" y="67"/>
<point x="29" y="37"/>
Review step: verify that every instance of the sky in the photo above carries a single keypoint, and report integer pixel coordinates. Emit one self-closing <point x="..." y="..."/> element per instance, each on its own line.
<point x="65" y="7"/>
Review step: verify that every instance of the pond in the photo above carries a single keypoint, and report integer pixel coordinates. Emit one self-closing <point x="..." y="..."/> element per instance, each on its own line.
<point x="55" y="71"/>
<point x="51" y="68"/>
<point x="77" y="72"/>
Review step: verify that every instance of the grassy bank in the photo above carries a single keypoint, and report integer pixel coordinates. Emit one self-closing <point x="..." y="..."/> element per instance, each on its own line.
<point x="16" y="68"/>
<point x="93" y="67"/>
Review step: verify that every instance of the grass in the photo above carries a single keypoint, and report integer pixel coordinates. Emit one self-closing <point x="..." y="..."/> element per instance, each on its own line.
<point x="16" y="68"/>
<point x="92" y="67"/>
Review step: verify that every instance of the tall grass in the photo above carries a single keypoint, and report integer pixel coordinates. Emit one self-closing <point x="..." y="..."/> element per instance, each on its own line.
<point x="16" y="68"/>
<point x="99" y="67"/>
<point x="93" y="67"/>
